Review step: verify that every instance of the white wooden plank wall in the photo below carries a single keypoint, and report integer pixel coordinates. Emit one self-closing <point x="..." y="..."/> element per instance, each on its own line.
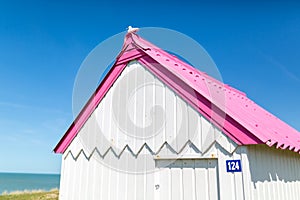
<point x="271" y="173"/>
<point x="182" y="180"/>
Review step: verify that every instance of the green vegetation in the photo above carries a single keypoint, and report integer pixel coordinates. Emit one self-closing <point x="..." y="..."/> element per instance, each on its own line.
<point x="34" y="195"/>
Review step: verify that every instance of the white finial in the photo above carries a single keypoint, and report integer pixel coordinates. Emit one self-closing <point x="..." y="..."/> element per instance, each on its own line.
<point x="132" y="30"/>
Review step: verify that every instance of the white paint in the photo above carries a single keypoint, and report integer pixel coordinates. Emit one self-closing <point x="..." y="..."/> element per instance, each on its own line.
<point x="271" y="173"/>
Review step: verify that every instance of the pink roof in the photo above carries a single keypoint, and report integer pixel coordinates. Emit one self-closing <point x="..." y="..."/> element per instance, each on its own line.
<point x="227" y="108"/>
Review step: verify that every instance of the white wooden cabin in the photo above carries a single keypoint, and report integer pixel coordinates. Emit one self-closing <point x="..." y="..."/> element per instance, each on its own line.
<point x="157" y="128"/>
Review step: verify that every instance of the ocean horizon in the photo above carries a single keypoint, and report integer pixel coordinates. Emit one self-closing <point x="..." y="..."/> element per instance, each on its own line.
<point x="10" y="182"/>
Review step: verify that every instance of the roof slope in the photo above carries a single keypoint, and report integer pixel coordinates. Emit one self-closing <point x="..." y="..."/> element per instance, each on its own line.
<point x="227" y="108"/>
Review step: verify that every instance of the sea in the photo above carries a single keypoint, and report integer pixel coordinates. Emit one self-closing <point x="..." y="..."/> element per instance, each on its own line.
<point x="11" y="182"/>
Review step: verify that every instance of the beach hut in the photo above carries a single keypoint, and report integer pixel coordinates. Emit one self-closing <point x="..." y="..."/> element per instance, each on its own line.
<point x="157" y="128"/>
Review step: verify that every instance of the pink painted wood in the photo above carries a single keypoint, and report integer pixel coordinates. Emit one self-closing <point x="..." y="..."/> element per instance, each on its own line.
<point x="229" y="109"/>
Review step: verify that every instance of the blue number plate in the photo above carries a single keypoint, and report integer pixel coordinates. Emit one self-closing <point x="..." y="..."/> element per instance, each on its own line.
<point x="233" y="166"/>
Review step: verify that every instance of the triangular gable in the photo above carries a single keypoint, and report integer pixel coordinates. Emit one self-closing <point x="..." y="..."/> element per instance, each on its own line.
<point x="139" y="111"/>
<point x="227" y="108"/>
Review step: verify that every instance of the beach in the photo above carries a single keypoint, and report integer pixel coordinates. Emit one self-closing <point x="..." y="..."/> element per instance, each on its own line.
<point x="31" y="195"/>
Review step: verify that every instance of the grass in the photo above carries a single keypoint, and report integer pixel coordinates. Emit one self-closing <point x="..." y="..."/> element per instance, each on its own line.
<point x="32" y="195"/>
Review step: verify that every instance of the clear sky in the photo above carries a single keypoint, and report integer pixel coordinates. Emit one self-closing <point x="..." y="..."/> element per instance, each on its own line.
<point x="256" y="47"/>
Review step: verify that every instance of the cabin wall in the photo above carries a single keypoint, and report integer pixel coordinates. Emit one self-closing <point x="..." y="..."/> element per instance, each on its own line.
<point x="271" y="173"/>
<point x="90" y="176"/>
<point x="180" y="179"/>
<point x="183" y="178"/>
<point x="267" y="173"/>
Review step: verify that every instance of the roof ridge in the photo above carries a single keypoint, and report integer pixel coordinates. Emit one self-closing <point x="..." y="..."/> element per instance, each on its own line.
<point x="185" y="66"/>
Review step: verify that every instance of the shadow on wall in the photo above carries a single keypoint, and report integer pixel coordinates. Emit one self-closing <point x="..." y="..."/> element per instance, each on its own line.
<point x="273" y="165"/>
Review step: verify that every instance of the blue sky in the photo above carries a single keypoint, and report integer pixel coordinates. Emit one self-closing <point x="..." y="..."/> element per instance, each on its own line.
<point x="256" y="47"/>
